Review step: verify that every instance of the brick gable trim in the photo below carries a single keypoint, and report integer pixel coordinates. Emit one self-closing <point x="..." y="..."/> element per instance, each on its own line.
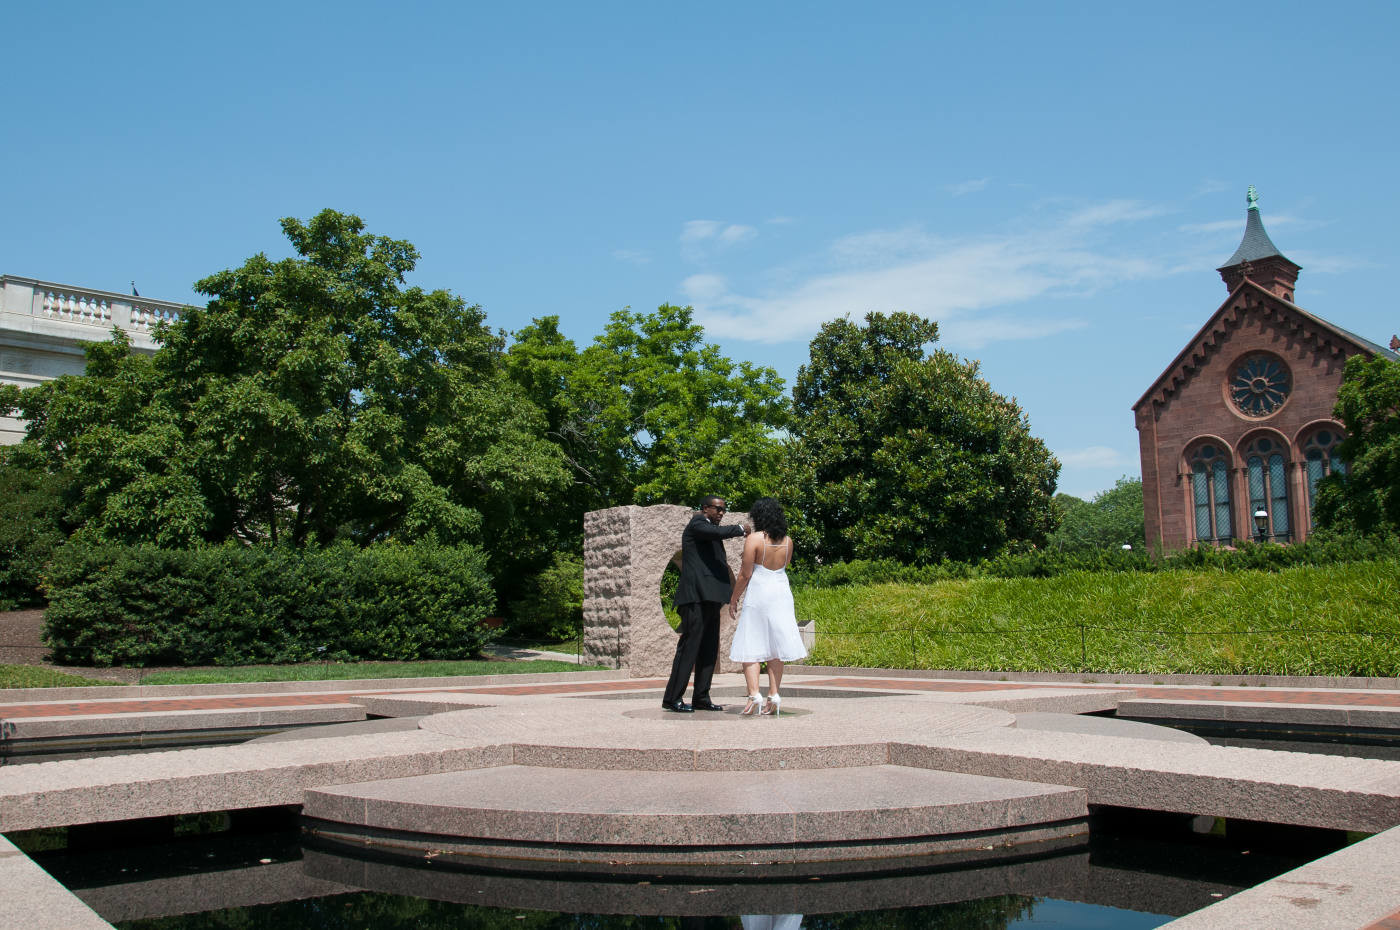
<point x="1249" y="299"/>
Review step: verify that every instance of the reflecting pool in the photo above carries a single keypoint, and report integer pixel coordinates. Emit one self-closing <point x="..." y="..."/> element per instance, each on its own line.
<point x="1128" y="873"/>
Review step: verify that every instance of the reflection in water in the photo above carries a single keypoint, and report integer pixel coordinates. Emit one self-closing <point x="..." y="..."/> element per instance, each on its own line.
<point x="271" y="881"/>
<point x="771" y="922"/>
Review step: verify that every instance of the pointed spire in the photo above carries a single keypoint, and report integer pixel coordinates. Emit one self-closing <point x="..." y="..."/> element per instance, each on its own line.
<point x="1258" y="258"/>
<point x="1256" y="243"/>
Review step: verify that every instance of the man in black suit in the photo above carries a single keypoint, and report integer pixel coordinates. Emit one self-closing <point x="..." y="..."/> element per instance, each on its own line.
<point x="704" y="587"/>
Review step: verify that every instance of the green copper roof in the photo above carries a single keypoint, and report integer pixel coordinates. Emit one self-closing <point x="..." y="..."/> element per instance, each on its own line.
<point x="1256" y="243"/>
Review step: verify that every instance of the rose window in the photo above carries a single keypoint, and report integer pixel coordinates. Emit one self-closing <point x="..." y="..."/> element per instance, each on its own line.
<point x="1260" y="385"/>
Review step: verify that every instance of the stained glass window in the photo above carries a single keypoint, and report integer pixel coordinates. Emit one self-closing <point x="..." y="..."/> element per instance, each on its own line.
<point x="1320" y="454"/>
<point x="1260" y="384"/>
<point x="1268" y="486"/>
<point x="1210" y="493"/>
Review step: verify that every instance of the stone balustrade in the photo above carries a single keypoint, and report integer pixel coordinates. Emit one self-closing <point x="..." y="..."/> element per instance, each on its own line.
<point x="69" y="313"/>
<point x="43" y="326"/>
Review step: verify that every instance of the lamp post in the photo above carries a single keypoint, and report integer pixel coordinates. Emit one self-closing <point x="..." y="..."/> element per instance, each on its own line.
<point x="1261" y="524"/>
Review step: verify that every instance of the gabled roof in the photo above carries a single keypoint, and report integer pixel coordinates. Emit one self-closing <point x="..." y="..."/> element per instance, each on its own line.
<point x="1206" y="341"/>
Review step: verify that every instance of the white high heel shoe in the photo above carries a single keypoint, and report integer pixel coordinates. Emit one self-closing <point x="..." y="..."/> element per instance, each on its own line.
<point x="774" y="707"/>
<point x="753" y="707"/>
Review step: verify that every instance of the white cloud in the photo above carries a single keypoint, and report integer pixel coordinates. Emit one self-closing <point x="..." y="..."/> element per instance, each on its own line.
<point x="968" y="285"/>
<point x="699" y="230"/>
<point x="736" y="233"/>
<point x="1314" y="263"/>
<point x="633" y="256"/>
<point x="698" y="237"/>
<point x="1237" y="224"/>
<point x="699" y="287"/>
<point x="1093" y="457"/>
<point x="976" y="333"/>
<point x="727" y="233"/>
<point x="968" y="187"/>
<point x="1114" y="211"/>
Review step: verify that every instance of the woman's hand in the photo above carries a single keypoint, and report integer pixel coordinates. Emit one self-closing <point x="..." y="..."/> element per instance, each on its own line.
<point x="733" y="610"/>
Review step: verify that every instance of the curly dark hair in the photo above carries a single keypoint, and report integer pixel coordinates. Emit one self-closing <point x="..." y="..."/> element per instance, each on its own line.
<point x="767" y="516"/>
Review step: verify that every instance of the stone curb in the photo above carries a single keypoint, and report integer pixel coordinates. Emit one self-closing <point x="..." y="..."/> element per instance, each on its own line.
<point x="35" y="901"/>
<point x="1108" y="678"/>
<point x="1351" y="889"/>
<point x="137" y="692"/>
<point x="171" y="721"/>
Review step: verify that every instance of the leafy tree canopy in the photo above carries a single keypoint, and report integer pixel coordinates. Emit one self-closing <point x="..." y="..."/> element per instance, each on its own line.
<point x="909" y="455"/>
<point x="650" y="412"/>
<point x="1367" y="498"/>
<point x="315" y="398"/>
<point x="1109" y="521"/>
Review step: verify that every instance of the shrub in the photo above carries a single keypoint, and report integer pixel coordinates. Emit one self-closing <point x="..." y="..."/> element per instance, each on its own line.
<point x="113" y="604"/>
<point x="32" y="526"/>
<point x="876" y="571"/>
<point x="552" y="607"/>
<point x="1319" y="550"/>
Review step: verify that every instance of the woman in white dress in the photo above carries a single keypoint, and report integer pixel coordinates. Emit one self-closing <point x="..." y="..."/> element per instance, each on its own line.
<point x="767" y="630"/>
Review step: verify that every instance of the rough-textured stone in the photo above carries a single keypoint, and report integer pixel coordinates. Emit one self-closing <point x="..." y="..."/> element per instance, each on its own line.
<point x="625" y="553"/>
<point x="33" y="900"/>
<point x="598" y="810"/>
<point x="1252" y="784"/>
<point x="1351" y="889"/>
<point x="111" y="788"/>
<point x="174" y="721"/>
<point x="1104" y="726"/>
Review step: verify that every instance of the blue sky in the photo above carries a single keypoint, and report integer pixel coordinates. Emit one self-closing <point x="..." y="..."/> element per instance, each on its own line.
<point x="1055" y="183"/>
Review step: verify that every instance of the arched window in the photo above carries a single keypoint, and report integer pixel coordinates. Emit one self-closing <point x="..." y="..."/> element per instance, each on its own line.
<point x="1210" y="493"/>
<point x="1320" y="454"/>
<point x="1268" y="486"/>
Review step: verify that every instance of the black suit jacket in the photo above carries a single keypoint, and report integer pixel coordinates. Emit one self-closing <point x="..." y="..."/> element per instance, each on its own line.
<point x="704" y="571"/>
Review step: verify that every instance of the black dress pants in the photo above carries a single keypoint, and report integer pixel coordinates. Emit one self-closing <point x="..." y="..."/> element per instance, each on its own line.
<point x="697" y="649"/>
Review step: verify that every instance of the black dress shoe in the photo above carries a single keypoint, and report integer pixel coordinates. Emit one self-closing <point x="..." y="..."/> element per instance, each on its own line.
<point x="709" y="705"/>
<point x="678" y="707"/>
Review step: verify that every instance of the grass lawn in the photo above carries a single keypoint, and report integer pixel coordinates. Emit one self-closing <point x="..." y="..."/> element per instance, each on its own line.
<point x="339" y="671"/>
<point x="37" y="676"/>
<point x="33" y="676"/>
<point x="1330" y="620"/>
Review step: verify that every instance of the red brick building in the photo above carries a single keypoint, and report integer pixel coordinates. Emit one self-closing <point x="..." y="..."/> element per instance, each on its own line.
<point x="1241" y="421"/>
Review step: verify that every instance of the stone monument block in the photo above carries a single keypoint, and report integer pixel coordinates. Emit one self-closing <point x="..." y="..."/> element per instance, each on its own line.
<point x="625" y="553"/>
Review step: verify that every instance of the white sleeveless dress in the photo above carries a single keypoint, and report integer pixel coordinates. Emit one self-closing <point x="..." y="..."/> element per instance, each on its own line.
<point x="767" y="627"/>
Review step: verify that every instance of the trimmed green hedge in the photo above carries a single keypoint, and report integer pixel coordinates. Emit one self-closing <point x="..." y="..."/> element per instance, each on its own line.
<point x="1050" y="563"/>
<point x="231" y="605"/>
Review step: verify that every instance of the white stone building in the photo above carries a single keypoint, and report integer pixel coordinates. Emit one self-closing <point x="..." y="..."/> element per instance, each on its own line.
<point x="43" y="326"/>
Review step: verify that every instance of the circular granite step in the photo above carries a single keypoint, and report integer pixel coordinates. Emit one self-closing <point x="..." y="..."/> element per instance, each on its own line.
<point x="714" y="818"/>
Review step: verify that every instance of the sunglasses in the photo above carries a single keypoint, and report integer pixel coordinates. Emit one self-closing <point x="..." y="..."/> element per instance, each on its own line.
<point x="717" y="507"/>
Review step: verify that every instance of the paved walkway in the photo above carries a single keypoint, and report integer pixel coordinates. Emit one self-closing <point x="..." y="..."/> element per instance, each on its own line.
<point x="508" y="732"/>
<point x="35" y="706"/>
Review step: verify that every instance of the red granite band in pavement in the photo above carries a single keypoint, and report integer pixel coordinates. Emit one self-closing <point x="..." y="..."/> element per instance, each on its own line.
<point x="228" y="702"/>
<point x="117" y="705"/>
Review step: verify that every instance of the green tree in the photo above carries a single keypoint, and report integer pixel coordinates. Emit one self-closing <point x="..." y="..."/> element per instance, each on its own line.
<point x="1109" y="521"/>
<point x="315" y="398"/>
<point x="1367" y="498"/>
<point x="908" y="455"/>
<point x="34" y="521"/>
<point x="651" y="413"/>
